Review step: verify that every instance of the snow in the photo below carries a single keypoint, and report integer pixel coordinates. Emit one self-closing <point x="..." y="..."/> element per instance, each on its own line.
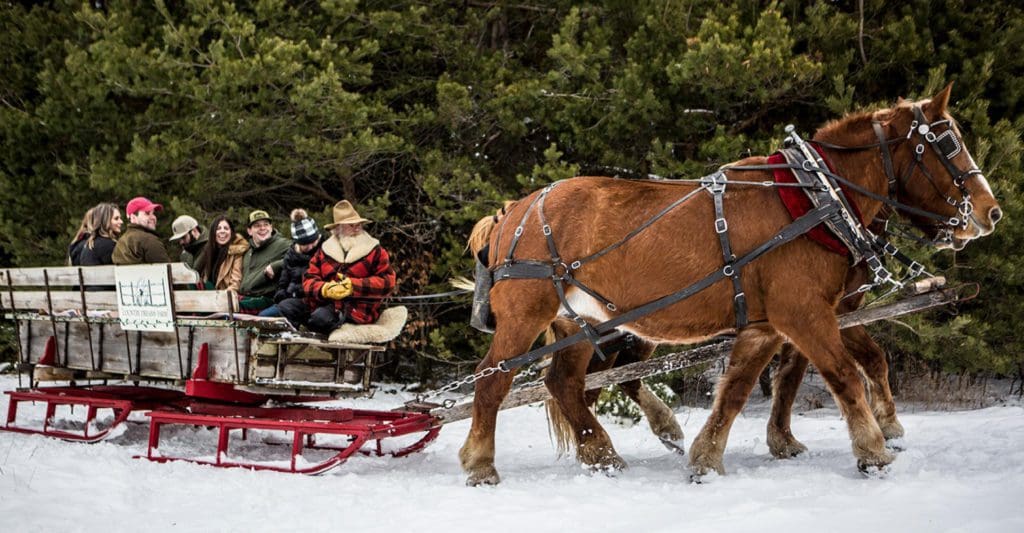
<point x="960" y="471"/>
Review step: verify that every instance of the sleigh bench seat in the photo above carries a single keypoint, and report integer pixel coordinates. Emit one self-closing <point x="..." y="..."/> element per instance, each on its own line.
<point x="340" y="362"/>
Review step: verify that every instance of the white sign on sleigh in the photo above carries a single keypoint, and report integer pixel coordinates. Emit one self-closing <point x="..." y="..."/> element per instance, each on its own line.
<point x="144" y="298"/>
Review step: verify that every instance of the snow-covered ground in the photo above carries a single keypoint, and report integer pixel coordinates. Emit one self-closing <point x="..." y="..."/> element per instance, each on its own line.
<point x="960" y="471"/>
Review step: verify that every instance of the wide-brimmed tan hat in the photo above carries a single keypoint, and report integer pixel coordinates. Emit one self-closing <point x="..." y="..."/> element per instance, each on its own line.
<point x="344" y="213"/>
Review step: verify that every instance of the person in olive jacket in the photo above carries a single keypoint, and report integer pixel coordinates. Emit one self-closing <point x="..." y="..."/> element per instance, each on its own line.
<point x="140" y="244"/>
<point x="262" y="263"/>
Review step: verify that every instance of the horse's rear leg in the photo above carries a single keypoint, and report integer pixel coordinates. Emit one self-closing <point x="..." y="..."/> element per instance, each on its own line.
<point x="816" y="335"/>
<point x="660" y="417"/>
<point x="872" y="361"/>
<point x="792" y="365"/>
<point x="754" y="347"/>
<point x="566" y="379"/>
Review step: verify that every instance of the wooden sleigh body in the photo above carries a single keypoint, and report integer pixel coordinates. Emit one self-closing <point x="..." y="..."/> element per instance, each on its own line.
<point x="211" y="367"/>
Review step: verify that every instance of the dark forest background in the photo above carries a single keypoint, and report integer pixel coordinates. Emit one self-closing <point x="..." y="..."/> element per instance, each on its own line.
<point x="427" y="114"/>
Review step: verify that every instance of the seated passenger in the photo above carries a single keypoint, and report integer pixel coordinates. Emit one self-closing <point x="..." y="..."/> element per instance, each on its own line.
<point x="78" y="242"/>
<point x="262" y="263"/>
<point x="219" y="263"/>
<point x="306" y="240"/>
<point x="347" y="279"/>
<point x="106" y="224"/>
<point x="191" y="237"/>
<point x="140" y="243"/>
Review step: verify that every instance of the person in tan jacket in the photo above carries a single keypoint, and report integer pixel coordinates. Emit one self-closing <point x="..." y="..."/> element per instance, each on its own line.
<point x="220" y="262"/>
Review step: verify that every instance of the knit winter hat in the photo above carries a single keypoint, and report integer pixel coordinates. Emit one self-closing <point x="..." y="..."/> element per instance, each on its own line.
<point x="304" y="230"/>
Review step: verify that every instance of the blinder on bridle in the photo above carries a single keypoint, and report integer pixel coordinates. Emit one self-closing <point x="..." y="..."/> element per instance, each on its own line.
<point x="946" y="145"/>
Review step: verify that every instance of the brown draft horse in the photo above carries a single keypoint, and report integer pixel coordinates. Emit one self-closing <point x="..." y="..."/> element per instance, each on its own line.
<point x="792" y="291"/>
<point x="785" y="383"/>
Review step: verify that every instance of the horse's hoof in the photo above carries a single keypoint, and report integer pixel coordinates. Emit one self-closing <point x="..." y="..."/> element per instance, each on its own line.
<point x="609" y="465"/>
<point x="871" y="467"/>
<point x="701" y="479"/>
<point x="703" y="469"/>
<point x="873" y="471"/>
<point x="483" y="476"/>
<point x="788" y="449"/>
<point x="674" y="445"/>
<point x="895" y="444"/>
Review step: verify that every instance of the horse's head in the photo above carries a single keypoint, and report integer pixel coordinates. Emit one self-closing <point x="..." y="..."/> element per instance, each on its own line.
<point x="933" y="171"/>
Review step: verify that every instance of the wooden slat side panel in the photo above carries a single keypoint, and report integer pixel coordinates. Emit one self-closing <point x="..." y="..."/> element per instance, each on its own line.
<point x="61" y="300"/>
<point x="204" y="302"/>
<point x="111" y="347"/>
<point x="93" y="275"/>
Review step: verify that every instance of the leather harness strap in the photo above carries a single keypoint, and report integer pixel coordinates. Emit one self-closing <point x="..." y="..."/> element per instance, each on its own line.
<point x="715" y="184"/>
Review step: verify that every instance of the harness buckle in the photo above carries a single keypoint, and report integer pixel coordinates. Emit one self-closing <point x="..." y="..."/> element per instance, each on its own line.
<point x="715" y="182"/>
<point x="546" y="230"/>
<point x="575" y="265"/>
<point x="728" y="270"/>
<point x="721" y="225"/>
<point x="739" y="296"/>
<point x="915" y="269"/>
<point x="611" y="307"/>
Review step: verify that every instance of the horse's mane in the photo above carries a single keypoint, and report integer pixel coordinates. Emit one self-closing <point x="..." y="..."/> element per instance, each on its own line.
<point x="855" y="128"/>
<point x="852" y="129"/>
<point x="481" y="233"/>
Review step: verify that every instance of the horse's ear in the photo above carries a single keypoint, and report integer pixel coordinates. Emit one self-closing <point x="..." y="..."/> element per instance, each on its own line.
<point x="900" y="100"/>
<point x="941" y="99"/>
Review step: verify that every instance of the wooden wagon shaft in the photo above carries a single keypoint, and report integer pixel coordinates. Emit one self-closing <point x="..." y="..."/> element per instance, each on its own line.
<point x="676" y="361"/>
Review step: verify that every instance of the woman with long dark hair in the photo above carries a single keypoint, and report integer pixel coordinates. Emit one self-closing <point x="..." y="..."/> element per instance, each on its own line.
<point x="220" y="262"/>
<point x="105" y="224"/>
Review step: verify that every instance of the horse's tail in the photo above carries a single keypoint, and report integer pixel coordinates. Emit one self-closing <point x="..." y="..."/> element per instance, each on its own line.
<point x="559" y="428"/>
<point x="481" y="234"/>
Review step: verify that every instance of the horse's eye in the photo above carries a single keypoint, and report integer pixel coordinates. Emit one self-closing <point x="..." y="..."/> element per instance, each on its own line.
<point x="948" y="144"/>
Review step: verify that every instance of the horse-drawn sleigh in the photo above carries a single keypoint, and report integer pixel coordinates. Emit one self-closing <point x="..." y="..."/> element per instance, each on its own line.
<point x="670" y="261"/>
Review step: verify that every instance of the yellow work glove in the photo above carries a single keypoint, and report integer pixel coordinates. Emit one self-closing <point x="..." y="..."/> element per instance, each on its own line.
<point x="337" y="290"/>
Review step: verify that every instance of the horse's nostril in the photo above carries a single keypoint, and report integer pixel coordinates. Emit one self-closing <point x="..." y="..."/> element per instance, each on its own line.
<point x="995" y="214"/>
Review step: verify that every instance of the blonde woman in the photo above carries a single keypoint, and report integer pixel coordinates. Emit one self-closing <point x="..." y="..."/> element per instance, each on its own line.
<point x="105" y="223"/>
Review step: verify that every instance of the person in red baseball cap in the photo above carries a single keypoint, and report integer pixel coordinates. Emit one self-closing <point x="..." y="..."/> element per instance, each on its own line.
<point x="140" y="244"/>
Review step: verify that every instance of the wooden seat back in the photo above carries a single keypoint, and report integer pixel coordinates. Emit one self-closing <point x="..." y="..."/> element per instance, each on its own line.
<point x="90" y="289"/>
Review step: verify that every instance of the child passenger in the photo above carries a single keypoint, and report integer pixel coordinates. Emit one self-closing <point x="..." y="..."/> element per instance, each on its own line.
<point x="306" y="239"/>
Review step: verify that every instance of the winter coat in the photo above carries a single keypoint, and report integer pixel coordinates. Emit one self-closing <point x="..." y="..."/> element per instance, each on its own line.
<point x="229" y="275"/>
<point x="289" y="283"/>
<point x="139" y="245"/>
<point x="271" y="252"/>
<point x="367" y="264"/>
<point x="190" y="254"/>
<point x="75" y="250"/>
<point x="101" y="253"/>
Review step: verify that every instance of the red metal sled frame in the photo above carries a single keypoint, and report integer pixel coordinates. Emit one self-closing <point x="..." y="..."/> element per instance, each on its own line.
<point x="122" y="400"/>
<point x="361" y="426"/>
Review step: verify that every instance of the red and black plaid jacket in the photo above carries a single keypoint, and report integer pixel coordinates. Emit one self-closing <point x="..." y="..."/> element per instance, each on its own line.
<point x="372" y="279"/>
